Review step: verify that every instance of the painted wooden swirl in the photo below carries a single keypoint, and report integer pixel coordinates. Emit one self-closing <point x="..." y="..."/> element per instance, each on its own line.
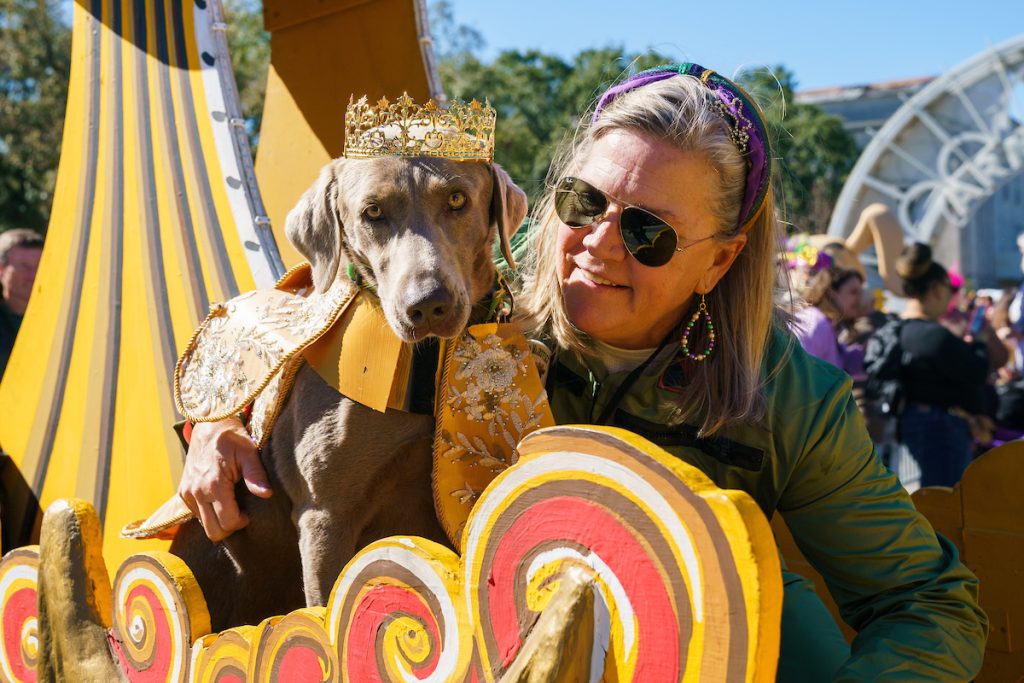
<point x="687" y="580"/>
<point x="19" y="640"/>
<point x="158" y="606"/>
<point x="396" y="614"/>
<point x="652" y="572"/>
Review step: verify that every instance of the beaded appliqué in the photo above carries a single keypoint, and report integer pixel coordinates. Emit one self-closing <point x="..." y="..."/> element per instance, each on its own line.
<point x="490" y="397"/>
<point x="739" y="125"/>
<point x="486" y="370"/>
<point x="701" y="310"/>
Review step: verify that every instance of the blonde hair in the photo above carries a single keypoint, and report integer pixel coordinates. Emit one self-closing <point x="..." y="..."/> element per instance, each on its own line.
<point x="728" y="386"/>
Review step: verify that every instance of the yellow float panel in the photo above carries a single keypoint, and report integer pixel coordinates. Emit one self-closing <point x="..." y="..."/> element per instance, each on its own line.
<point x="155" y="216"/>
<point x="322" y="52"/>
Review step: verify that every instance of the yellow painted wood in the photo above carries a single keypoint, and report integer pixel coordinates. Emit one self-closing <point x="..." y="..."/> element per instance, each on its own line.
<point x="87" y="396"/>
<point x="993" y="548"/>
<point x="362" y="356"/>
<point x="404" y="603"/>
<point x="303" y="120"/>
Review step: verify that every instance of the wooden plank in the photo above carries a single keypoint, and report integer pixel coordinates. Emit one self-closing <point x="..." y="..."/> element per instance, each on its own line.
<point x="280" y="14"/>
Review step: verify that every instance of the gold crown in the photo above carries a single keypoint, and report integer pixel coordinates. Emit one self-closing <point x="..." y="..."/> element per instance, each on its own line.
<point x="462" y="132"/>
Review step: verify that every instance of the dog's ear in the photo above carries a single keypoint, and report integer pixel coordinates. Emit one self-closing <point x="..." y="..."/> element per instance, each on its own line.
<point x="314" y="226"/>
<point x="508" y="209"/>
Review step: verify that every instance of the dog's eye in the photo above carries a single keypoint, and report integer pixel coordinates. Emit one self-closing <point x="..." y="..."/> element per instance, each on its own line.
<point x="373" y="212"/>
<point x="456" y="200"/>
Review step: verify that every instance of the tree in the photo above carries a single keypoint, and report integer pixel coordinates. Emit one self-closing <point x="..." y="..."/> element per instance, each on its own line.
<point x="35" y="60"/>
<point x="249" y="47"/>
<point x="449" y="37"/>
<point x="35" y="63"/>
<point x="814" y="153"/>
<point x="539" y="98"/>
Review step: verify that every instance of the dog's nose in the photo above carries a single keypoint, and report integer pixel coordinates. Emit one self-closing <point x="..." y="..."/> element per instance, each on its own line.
<point x="430" y="308"/>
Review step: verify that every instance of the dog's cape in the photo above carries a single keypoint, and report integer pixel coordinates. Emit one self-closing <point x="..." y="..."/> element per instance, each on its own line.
<point x="489" y="394"/>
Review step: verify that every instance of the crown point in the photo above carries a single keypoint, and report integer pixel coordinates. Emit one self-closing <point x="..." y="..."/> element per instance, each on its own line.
<point x="460" y="132"/>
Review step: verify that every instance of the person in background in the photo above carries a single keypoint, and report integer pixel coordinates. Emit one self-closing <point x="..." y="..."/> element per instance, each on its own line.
<point x="20" y="251"/>
<point x="834" y="298"/>
<point x="943" y="378"/>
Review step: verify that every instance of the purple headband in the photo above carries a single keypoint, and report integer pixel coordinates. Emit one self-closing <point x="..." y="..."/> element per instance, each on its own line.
<point x="743" y="118"/>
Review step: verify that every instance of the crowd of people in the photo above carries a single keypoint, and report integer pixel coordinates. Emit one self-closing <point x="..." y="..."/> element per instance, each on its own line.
<point x="940" y="380"/>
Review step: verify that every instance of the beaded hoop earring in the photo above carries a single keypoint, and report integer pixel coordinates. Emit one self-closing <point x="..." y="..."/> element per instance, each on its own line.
<point x="699" y="357"/>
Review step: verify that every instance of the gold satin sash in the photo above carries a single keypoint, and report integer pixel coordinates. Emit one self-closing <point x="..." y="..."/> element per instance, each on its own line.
<point x="489" y="397"/>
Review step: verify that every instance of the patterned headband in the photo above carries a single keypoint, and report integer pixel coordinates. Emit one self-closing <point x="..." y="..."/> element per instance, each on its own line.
<point x="741" y="115"/>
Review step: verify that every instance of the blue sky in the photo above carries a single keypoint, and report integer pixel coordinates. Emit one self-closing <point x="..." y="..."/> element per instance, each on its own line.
<point x="825" y="43"/>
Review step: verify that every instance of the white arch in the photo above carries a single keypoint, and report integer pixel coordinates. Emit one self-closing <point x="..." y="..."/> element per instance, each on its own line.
<point x="947" y="149"/>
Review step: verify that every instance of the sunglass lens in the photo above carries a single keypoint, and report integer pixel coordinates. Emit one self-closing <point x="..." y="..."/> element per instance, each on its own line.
<point x="578" y="203"/>
<point x="648" y="238"/>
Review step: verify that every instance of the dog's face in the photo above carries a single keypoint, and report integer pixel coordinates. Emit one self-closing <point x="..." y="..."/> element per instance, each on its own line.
<point x="419" y="230"/>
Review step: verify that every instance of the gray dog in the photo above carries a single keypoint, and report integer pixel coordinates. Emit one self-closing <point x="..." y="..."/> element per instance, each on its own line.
<point x="420" y="231"/>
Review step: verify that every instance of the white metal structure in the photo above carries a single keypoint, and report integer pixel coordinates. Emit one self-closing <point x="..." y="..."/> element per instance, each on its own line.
<point x="944" y="152"/>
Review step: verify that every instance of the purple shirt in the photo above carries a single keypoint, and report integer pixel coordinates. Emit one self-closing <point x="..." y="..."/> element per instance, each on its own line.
<point x="815" y="332"/>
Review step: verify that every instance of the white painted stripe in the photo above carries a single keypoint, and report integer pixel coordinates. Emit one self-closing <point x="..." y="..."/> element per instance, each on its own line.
<point x="260" y="262"/>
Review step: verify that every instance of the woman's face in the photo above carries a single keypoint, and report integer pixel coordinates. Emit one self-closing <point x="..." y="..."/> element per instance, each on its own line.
<point x="849" y="298"/>
<point x="608" y="294"/>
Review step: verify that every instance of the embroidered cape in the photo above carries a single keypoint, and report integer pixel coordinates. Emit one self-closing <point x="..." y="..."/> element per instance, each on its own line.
<point x="489" y="394"/>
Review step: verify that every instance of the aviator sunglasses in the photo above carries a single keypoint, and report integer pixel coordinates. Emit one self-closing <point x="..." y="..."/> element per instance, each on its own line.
<point x="648" y="238"/>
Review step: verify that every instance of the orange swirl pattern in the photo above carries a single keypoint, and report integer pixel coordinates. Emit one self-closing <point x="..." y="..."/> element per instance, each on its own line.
<point x="684" y="585"/>
<point x="296" y="648"/>
<point x="157" y="607"/>
<point x="396" y="614"/>
<point x="19" y="640"/>
<point x="224" y="657"/>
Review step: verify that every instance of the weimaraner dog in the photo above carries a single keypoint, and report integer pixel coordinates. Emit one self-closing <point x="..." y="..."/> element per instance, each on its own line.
<point x="420" y="232"/>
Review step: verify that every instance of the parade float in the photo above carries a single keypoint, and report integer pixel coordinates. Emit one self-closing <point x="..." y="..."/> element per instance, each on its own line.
<point x="596" y="556"/>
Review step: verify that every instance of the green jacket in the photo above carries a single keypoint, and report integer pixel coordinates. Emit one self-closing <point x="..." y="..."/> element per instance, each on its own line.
<point x="913" y="604"/>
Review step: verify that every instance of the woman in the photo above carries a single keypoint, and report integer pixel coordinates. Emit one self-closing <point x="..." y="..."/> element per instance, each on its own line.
<point x="943" y="378"/>
<point x="651" y="269"/>
<point x="834" y="297"/>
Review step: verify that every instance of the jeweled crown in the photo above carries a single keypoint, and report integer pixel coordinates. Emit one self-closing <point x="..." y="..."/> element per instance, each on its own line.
<point x="462" y="132"/>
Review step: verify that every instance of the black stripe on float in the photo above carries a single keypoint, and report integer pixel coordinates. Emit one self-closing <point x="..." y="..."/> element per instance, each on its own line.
<point x="179" y="192"/>
<point x="225" y="273"/>
<point x="112" y="360"/>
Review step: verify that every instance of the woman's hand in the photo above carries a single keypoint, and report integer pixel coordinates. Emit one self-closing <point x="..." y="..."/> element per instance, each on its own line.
<point x="219" y="455"/>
